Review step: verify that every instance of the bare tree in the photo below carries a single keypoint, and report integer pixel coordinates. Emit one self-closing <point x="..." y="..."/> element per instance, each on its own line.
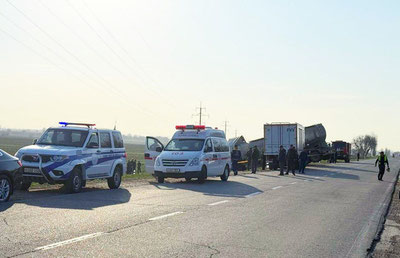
<point x="365" y="144"/>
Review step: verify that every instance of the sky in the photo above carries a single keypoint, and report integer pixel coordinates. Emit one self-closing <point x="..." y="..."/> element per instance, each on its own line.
<point x="146" y="65"/>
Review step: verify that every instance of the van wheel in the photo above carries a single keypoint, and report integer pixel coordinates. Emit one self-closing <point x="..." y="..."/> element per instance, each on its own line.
<point x="225" y="175"/>
<point x="24" y="186"/>
<point x="74" y="183"/>
<point x="115" y="181"/>
<point x="160" y="179"/>
<point x="203" y="175"/>
<point x="5" y="188"/>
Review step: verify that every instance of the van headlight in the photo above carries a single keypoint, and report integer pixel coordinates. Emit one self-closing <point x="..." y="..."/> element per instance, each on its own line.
<point x="58" y="158"/>
<point x="195" y="162"/>
<point x="158" y="162"/>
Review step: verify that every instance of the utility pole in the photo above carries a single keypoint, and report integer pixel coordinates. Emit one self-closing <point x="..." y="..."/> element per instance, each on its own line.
<point x="200" y="113"/>
<point x="226" y="125"/>
<point x="235" y="133"/>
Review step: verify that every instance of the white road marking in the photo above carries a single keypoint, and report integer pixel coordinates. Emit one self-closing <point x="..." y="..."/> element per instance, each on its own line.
<point x="216" y="203"/>
<point x="276" y="187"/>
<point x="166" y="215"/>
<point x="293" y="183"/>
<point x="252" y="194"/>
<point x="70" y="241"/>
<point x="316" y="177"/>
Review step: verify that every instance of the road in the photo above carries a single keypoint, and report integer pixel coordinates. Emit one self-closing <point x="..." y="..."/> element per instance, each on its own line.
<point x="331" y="211"/>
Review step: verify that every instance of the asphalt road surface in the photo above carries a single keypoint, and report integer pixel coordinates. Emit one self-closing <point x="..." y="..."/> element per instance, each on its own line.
<point x="331" y="211"/>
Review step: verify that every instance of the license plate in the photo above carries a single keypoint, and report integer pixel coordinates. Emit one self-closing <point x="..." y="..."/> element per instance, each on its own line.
<point x="32" y="170"/>
<point x="173" y="170"/>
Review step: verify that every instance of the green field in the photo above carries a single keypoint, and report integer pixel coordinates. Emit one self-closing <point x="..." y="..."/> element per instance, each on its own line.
<point x="12" y="145"/>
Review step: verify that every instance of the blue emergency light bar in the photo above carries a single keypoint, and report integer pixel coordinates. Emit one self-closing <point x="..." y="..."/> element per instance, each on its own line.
<point x="80" y="124"/>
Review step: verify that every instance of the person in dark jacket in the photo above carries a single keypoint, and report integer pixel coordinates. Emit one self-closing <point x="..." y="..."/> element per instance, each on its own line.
<point x="236" y="156"/>
<point x="248" y="154"/>
<point x="282" y="159"/>
<point x="303" y="159"/>
<point x="292" y="160"/>
<point x="255" y="155"/>
<point x="382" y="160"/>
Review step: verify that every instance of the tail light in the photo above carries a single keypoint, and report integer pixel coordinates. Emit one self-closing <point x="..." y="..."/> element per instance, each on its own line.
<point x="125" y="155"/>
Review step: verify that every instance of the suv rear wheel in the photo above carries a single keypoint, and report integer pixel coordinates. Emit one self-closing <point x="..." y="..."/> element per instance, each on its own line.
<point x="74" y="183"/>
<point x="115" y="181"/>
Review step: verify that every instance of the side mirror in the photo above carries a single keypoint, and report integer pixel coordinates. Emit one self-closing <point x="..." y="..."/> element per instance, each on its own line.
<point x="159" y="149"/>
<point x="34" y="141"/>
<point x="92" y="145"/>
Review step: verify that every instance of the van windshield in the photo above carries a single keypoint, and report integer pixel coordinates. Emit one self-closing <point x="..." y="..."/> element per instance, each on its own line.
<point x="63" y="137"/>
<point x="185" y="145"/>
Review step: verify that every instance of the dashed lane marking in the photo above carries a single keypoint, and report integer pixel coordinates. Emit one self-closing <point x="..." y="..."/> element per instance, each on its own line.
<point x="293" y="183"/>
<point x="70" y="241"/>
<point x="217" y="203"/>
<point x="276" y="187"/>
<point x="252" y="194"/>
<point x="166" y="215"/>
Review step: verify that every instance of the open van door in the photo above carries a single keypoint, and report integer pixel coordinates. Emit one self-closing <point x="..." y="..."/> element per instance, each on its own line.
<point x="153" y="148"/>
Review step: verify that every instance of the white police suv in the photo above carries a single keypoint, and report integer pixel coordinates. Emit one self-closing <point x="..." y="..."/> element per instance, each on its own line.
<point x="73" y="153"/>
<point x="194" y="152"/>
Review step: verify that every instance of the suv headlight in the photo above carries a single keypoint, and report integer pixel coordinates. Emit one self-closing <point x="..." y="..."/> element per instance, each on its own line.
<point x="58" y="158"/>
<point x="158" y="162"/>
<point x="195" y="162"/>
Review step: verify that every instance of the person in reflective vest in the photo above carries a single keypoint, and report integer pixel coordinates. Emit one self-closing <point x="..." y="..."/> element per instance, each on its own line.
<point x="382" y="160"/>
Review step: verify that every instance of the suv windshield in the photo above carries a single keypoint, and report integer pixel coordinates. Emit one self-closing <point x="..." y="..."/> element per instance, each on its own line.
<point x="185" y="145"/>
<point x="63" y="137"/>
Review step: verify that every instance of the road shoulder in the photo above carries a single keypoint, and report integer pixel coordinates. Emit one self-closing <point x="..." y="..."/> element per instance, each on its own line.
<point x="389" y="241"/>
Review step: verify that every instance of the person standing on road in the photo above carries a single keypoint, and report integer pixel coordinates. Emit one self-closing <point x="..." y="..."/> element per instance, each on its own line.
<point x="248" y="154"/>
<point x="139" y="167"/>
<point x="358" y="156"/>
<point x="255" y="155"/>
<point x="282" y="159"/>
<point x="382" y="159"/>
<point x="236" y="156"/>
<point x="134" y="166"/>
<point x="292" y="160"/>
<point x="335" y="156"/>
<point x="303" y="159"/>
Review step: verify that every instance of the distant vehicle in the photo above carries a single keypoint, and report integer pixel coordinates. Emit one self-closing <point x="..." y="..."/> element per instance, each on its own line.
<point x="10" y="175"/>
<point x="316" y="145"/>
<point x="193" y="152"/>
<point x="343" y="150"/>
<point x="285" y="134"/>
<point x="72" y="154"/>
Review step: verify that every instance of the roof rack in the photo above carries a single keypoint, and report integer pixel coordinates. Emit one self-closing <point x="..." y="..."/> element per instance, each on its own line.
<point x="79" y="124"/>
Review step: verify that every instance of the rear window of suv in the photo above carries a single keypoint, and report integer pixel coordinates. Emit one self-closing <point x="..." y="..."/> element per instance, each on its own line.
<point x="118" y="141"/>
<point x="105" y="140"/>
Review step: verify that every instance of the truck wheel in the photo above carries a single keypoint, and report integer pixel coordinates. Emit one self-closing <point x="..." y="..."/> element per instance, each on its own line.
<point x="74" y="183"/>
<point x="160" y="179"/>
<point x="115" y="181"/>
<point x="203" y="175"/>
<point x="225" y="175"/>
<point x="5" y="188"/>
<point x="24" y="186"/>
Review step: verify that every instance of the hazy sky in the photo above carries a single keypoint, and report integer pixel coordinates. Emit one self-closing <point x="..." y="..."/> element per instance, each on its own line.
<point x="148" y="64"/>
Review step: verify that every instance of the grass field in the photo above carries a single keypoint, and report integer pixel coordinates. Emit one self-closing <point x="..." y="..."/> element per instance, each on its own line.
<point x="134" y="151"/>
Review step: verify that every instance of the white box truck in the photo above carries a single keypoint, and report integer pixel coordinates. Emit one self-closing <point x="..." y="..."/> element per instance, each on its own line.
<point x="285" y="134"/>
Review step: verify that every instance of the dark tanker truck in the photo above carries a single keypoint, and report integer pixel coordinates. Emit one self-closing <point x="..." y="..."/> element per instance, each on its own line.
<point x="315" y="143"/>
<point x="343" y="150"/>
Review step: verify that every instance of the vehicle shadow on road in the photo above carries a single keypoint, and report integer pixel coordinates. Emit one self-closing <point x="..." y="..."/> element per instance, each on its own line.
<point x="88" y="199"/>
<point x="342" y="168"/>
<point x="312" y="171"/>
<point x="212" y="187"/>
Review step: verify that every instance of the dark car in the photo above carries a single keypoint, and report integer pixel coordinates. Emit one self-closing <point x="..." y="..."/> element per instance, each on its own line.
<point x="10" y="175"/>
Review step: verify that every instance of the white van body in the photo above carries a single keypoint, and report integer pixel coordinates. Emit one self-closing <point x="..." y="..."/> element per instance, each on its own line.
<point x="193" y="152"/>
<point x="96" y="153"/>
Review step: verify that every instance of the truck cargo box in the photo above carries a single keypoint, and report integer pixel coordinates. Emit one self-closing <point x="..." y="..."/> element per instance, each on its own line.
<point x="285" y="134"/>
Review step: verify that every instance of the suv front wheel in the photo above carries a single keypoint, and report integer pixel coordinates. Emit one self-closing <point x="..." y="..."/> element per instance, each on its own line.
<point x="74" y="183"/>
<point x="115" y="181"/>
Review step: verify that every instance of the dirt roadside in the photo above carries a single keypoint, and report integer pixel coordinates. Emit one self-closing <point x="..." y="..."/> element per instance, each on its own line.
<point x="389" y="243"/>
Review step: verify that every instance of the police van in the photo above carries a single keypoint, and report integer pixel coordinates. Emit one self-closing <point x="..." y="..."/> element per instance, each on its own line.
<point x="193" y="152"/>
<point x="72" y="154"/>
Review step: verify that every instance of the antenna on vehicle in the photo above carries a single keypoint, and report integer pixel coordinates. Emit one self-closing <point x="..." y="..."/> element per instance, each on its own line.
<point x="115" y="125"/>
